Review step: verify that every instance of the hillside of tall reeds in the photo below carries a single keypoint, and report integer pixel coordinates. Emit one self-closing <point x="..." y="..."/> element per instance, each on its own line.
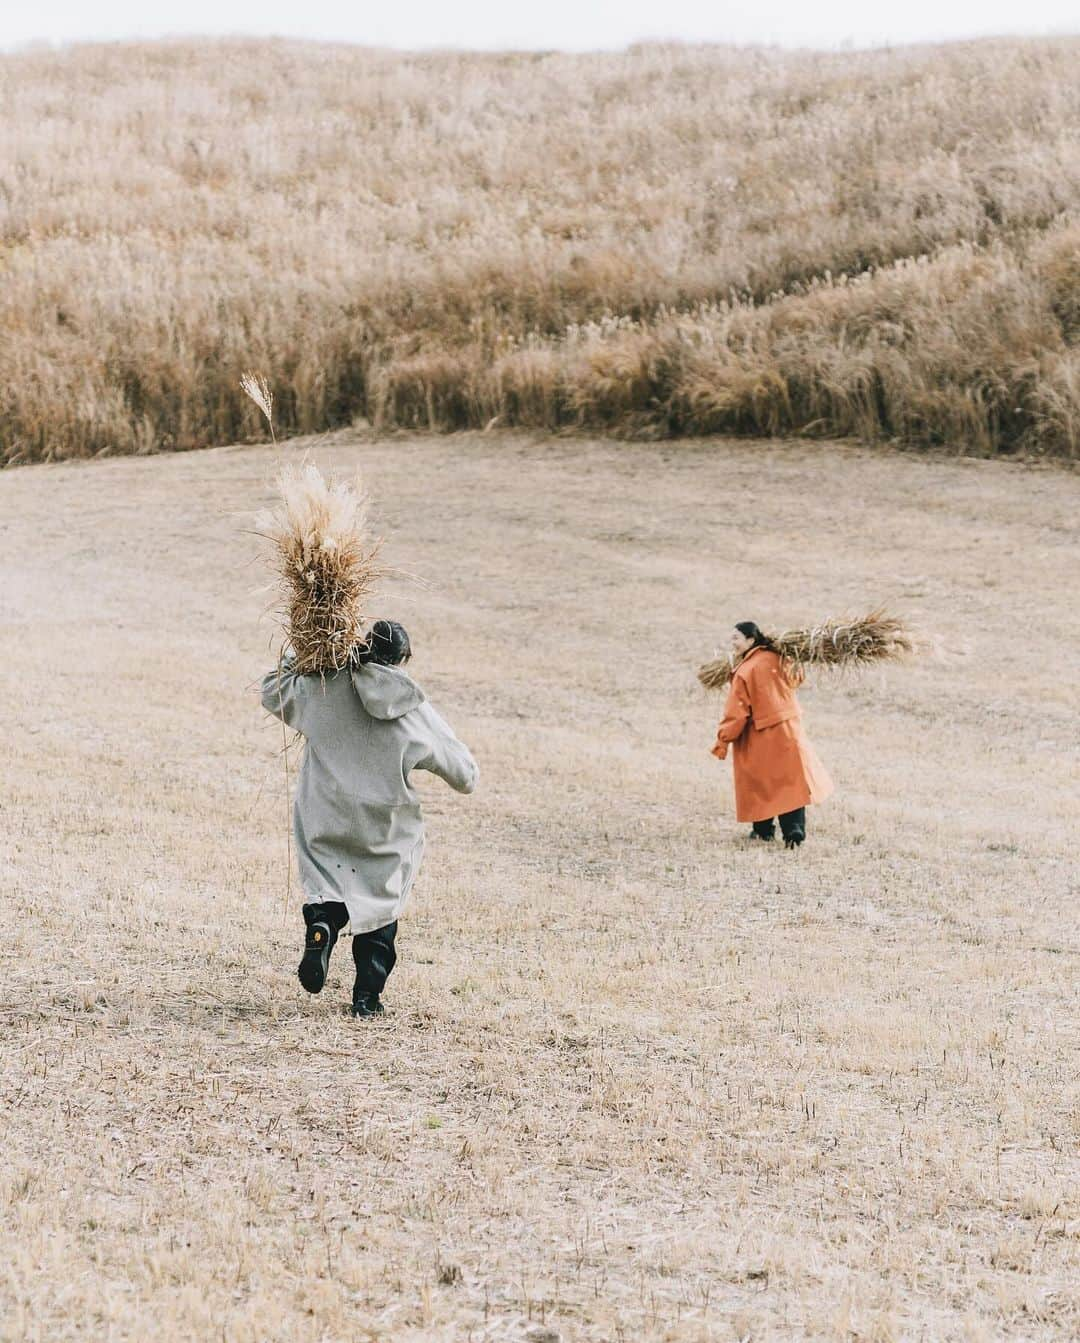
<point x="667" y="241"/>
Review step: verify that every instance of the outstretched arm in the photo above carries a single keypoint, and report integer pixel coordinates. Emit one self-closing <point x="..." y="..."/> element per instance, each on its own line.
<point x="736" y="716"/>
<point x="447" y="757"/>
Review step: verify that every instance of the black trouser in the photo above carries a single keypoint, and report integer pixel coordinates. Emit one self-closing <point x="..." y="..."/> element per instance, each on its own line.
<point x="791" y="823"/>
<point x="373" y="953"/>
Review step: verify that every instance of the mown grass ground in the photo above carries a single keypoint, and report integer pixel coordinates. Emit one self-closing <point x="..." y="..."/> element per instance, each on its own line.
<point x="638" y="1078"/>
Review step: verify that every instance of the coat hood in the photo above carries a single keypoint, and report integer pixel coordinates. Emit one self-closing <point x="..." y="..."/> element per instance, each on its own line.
<point x="386" y="692"/>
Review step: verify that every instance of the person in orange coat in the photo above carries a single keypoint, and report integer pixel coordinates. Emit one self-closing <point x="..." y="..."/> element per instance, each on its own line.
<point x="776" y="770"/>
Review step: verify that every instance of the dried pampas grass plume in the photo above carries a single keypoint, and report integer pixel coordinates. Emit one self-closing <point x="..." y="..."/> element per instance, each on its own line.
<point x="255" y="386"/>
<point x="326" y="566"/>
<point x="840" y="645"/>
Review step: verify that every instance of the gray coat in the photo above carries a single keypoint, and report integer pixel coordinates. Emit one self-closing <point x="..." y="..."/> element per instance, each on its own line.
<point x="357" y="820"/>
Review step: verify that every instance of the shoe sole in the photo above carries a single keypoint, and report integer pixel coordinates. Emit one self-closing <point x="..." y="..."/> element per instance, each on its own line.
<point x="313" y="965"/>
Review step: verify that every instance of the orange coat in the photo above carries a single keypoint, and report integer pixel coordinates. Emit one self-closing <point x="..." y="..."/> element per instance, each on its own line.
<point x="775" y="767"/>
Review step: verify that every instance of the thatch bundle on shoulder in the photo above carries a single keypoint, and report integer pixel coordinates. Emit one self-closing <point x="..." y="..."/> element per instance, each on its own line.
<point x="840" y="645"/>
<point x="327" y="566"/>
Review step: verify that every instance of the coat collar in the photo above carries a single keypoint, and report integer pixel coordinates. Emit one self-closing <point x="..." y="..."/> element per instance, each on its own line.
<point x="757" y="648"/>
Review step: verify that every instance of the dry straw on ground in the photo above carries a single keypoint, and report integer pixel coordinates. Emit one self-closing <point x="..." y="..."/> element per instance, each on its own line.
<point x="844" y="645"/>
<point x="327" y="565"/>
<point x="663" y="241"/>
<point x="638" y="1081"/>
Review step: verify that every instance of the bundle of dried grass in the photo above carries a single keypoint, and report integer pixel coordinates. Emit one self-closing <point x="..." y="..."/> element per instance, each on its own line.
<point x="327" y="566"/>
<point x="840" y="645"/>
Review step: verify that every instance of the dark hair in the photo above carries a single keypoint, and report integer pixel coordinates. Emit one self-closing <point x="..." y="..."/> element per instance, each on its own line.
<point x="387" y="644"/>
<point x="751" y="631"/>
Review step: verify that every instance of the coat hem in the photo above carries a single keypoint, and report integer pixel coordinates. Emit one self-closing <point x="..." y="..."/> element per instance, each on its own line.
<point x="742" y="817"/>
<point x="357" y="926"/>
<point x="810" y="800"/>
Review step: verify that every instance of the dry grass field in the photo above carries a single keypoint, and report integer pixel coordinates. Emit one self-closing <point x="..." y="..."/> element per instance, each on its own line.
<point x="638" y="1079"/>
<point x="661" y="242"/>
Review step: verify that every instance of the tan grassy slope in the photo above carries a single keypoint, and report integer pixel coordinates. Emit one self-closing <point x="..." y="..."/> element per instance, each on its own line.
<point x="652" y="242"/>
<point x="640" y="1080"/>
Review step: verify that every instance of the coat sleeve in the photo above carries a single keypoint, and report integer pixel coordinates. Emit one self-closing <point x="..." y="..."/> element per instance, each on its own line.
<point x="284" y="693"/>
<point x="736" y="716"/>
<point x="447" y="757"/>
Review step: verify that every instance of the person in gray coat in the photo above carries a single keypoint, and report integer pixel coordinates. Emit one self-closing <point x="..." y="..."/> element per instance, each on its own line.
<point x="357" y="820"/>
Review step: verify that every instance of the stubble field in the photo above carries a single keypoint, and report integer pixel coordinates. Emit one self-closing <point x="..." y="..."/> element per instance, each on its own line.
<point x="639" y="1079"/>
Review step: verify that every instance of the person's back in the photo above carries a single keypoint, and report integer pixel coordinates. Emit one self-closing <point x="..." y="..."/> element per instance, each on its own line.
<point x="357" y="818"/>
<point x="768" y="688"/>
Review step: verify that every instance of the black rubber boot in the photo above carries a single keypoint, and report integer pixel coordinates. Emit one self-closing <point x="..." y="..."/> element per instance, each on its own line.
<point x="374" y="956"/>
<point x="318" y="944"/>
<point x="366" y="1005"/>
<point x="766" y="831"/>
<point x="793" y="827"/>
